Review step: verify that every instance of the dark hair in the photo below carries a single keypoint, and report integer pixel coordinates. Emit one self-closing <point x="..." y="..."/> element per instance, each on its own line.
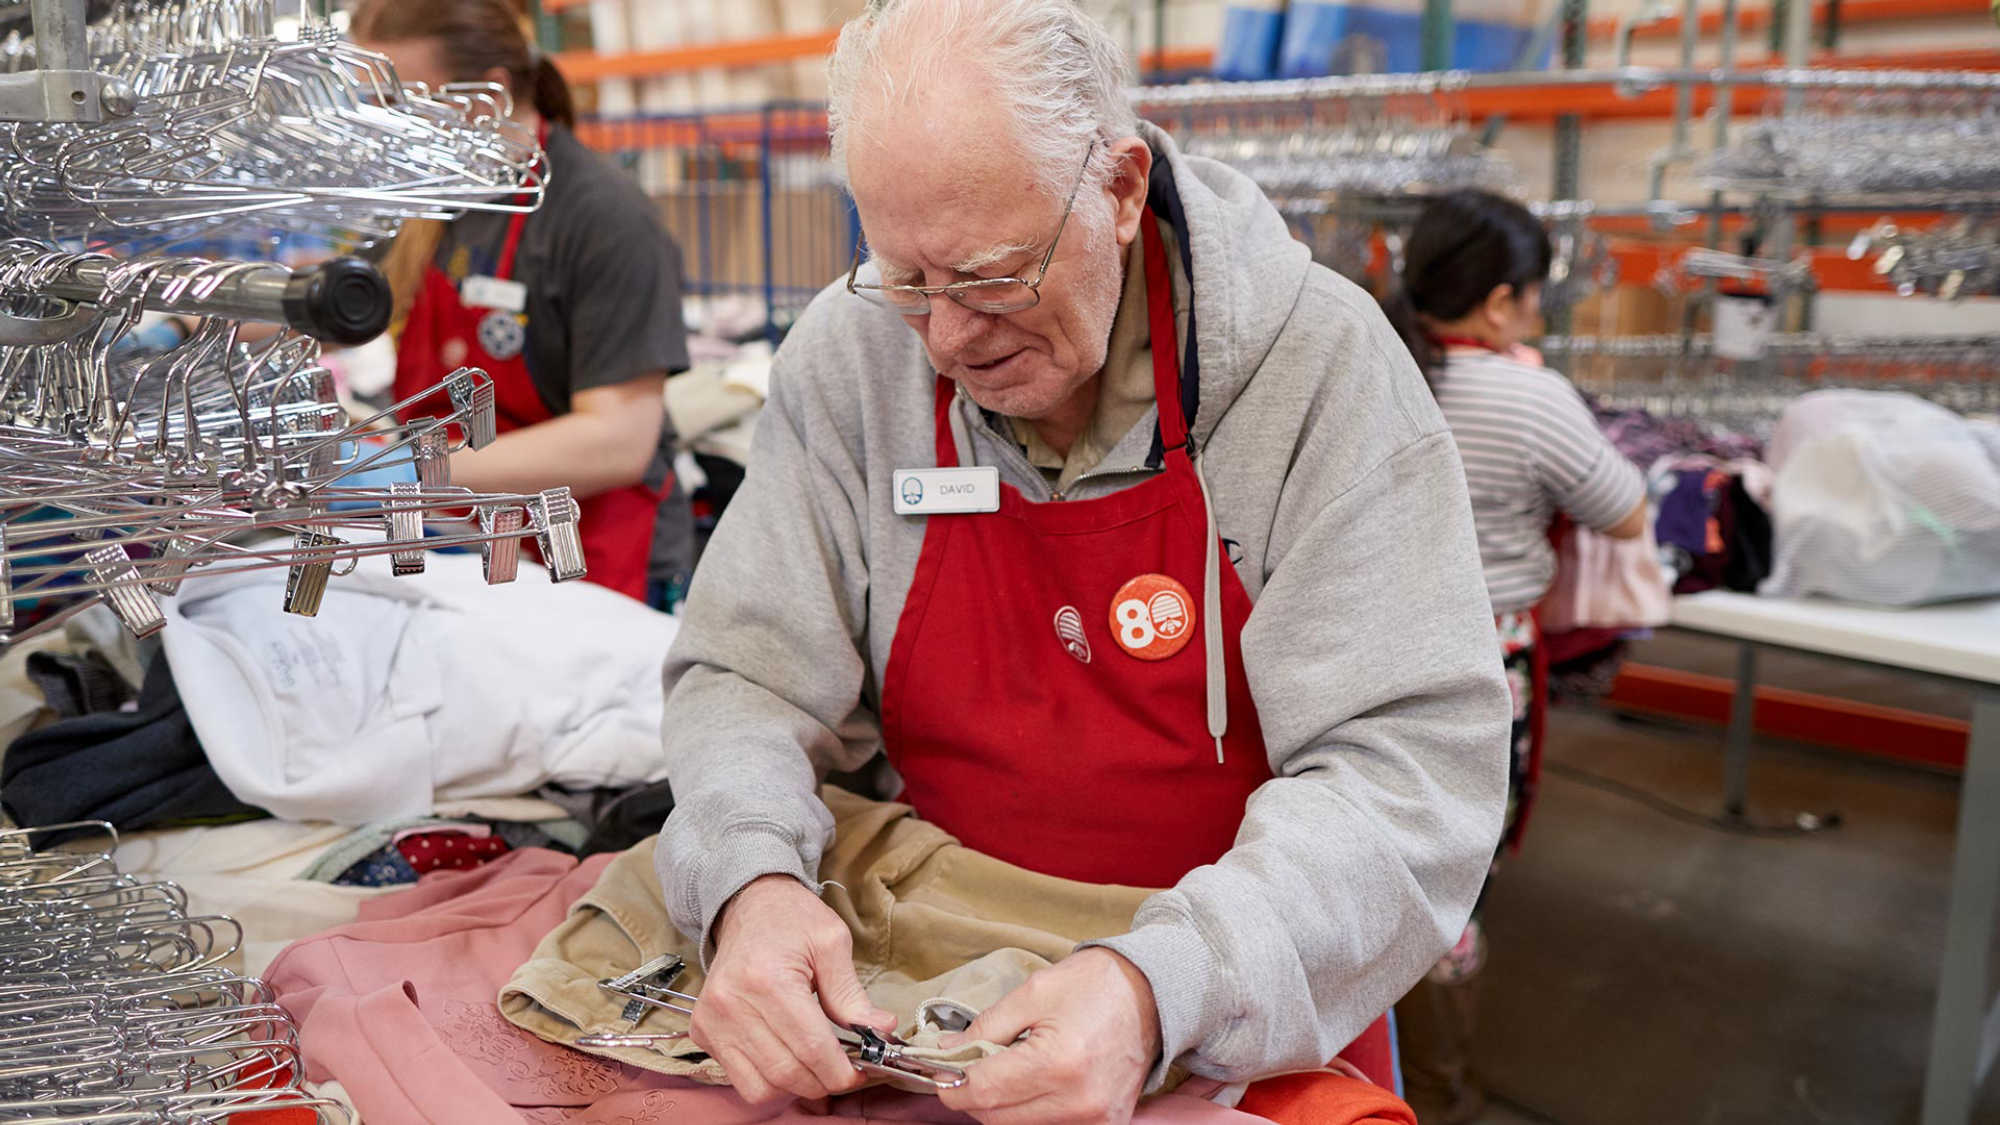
<point x="475" y="36"/>
<point x="1465" y="245"/>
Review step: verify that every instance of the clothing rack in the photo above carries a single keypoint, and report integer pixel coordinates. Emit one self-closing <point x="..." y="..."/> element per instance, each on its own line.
<point x="1629" y="79"/>
<point x="1670" y="375"/>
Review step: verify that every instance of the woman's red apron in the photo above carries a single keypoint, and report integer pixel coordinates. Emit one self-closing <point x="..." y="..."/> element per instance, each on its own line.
<point x="441" y="335"/>
<point x="1016" y="714"/>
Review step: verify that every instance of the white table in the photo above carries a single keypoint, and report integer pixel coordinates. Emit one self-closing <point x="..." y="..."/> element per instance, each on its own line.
<point x="1958" y="642"/>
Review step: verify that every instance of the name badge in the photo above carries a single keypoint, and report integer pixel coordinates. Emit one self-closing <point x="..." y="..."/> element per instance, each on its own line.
<point x="480" y="292"/>
<point x="933" y="492"/>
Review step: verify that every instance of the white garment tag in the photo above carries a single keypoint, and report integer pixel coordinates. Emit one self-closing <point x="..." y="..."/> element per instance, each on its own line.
<point x="931" y="492"/>
<point x="482" y="292"/>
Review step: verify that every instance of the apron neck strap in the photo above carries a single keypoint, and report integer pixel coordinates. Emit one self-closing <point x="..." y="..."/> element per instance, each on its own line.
<point x="513" y="244"/>
<point x="1443" y="342"/>
<point x="1165" y="340"/>
<point x="947" y="446"/>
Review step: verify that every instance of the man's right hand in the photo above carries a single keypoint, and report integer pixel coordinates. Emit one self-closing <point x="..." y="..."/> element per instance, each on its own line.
<point x="783" y="967"/>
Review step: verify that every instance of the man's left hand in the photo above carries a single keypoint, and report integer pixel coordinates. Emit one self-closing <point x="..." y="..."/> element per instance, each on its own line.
<point x="1088" y="1033"/>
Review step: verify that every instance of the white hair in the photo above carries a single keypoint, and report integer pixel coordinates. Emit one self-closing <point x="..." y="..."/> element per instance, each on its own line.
<point x="1056" y="70"/>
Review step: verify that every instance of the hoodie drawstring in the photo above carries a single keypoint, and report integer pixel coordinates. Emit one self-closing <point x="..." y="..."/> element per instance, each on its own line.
<point x="1211" y="620"/>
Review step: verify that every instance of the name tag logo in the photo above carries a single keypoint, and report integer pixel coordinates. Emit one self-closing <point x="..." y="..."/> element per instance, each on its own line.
<point x="934" y="492"/>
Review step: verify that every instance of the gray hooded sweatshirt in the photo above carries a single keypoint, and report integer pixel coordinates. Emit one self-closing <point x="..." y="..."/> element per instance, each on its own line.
<point x="1370" y="650"/>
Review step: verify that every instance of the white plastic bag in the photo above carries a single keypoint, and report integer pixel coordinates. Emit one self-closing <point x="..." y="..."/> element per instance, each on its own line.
<point x="1885" y="498"/>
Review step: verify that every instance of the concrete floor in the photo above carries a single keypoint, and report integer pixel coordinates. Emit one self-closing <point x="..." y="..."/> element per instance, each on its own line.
<point x="1649" y="969"/>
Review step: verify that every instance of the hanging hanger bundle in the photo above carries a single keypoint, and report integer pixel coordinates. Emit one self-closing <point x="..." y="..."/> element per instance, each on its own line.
<point x="1951" y="260"/>
<point x="1853" y="141"/>
<point x="112" y="1004"/>
<point x="233" y="127"/>
<point x="123" y="469"/>
<point x="1669" y="375"/>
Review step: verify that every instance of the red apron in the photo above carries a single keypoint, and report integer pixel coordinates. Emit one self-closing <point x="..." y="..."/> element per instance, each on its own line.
<point x="1019" y="721"/>
<point x="442" y="335"/>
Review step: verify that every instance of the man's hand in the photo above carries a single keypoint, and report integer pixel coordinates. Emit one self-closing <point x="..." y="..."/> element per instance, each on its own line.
<point x="1092" y="1034"/>
<point x="776" y="945"/>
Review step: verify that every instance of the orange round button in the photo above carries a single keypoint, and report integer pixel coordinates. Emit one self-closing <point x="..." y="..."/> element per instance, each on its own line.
<point x="1152" y="617"/>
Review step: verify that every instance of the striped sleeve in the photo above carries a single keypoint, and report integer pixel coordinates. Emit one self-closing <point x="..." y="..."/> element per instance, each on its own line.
<point x="1583" y="472"/>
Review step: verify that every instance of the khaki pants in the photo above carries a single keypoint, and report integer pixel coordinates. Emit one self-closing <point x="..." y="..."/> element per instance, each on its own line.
<point x="932" y="921"/>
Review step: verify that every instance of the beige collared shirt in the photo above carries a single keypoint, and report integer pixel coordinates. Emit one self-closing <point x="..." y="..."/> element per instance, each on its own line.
<point x="1125" y="392"/>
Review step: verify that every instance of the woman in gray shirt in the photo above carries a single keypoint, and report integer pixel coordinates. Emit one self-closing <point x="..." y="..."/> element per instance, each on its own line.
<point x="1470" y="294"/>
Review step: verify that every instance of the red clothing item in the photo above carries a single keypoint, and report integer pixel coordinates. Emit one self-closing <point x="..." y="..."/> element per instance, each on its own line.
<point x="426" y="852"/>
<point x="1325" y="1099"/>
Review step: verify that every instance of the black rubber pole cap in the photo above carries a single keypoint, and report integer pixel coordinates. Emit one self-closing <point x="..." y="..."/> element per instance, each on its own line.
<point x="343" y="301"/>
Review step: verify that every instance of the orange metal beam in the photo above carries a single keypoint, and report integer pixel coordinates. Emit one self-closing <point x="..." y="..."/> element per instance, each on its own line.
<point x="613" y="134"/>
<point x="1752" y="18"/>
<point x="588" y="66"/>
<point x="1881" y="732"/>
<point x="1638" y="262"/>
<point x="1604" y="103"/>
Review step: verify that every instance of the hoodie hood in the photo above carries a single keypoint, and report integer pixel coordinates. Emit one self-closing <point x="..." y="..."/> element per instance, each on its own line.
<point x="1246" y="269"/>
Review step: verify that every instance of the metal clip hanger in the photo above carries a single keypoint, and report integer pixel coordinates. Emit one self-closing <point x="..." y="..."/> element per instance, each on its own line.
<point x="870" y="1051"/>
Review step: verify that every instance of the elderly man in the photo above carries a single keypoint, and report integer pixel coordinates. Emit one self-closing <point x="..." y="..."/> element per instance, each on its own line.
<point x="1136" y="542"/>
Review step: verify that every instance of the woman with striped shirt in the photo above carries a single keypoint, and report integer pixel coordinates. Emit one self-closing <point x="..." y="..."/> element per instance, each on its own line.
<point x="1471" y="292"/>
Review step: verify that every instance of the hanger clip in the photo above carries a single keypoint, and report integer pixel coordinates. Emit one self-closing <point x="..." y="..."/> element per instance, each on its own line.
<point x="173" y="565"/>
<point x="500" y="555"/>
<point x="127" y="595"/>
<point x="558" y="527"/>
<point x="433" y="455"/>
<point x="406" y="525"/>
<point x="305" y="585"/>
<point x="652" y="981"/>
<point x="472" y="397"/>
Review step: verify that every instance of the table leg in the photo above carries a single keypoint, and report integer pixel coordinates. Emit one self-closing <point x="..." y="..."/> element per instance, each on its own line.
<point x="1959" y="1021"/>
<point x="1742" y="728"/>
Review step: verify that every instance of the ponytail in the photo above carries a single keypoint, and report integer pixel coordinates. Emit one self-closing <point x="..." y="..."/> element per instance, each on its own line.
<point x="474" y="38"/>
<point x="408" y="257"/>
<point x="1465" y="244"/>
<point x="1402" y="314"/>
<point x="549" y="93"/>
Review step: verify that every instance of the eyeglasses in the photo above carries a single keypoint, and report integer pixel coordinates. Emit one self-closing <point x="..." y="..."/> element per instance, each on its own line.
<point x="992" y="295"/>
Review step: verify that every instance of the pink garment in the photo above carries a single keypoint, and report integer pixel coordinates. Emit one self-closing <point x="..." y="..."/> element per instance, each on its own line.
<point x="399" y="1007"/>
<point x="1606" y="583"/>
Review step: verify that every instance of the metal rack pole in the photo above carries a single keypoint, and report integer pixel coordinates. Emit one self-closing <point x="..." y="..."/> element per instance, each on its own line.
<point x="1569" y="146"/>
<point x="343" y="301"/>
<point x="62" y="87"/>
<point x="1436" y="33"/>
